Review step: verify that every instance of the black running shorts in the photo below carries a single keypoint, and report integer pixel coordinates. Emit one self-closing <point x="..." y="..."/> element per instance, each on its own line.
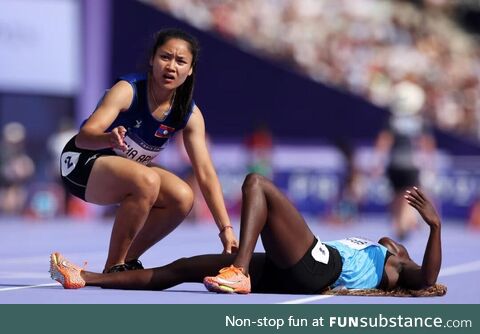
<point x="308" y="276"/>
<point x="76" y="165"/>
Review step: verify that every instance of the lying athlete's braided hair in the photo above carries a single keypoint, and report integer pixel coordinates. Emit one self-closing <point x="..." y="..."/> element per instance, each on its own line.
<point x="433" y="291"/>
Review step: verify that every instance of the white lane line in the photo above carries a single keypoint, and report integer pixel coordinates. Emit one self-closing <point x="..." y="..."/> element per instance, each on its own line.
<point x="460" y="269"/>
<point x="306" y="300"/>
<point x="28" y="286"/>
<point x="449" y="271"/>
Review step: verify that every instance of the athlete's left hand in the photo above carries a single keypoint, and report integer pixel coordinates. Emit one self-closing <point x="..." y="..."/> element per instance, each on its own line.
<point x="229" y="241"/>
<point x="418" y="200"/>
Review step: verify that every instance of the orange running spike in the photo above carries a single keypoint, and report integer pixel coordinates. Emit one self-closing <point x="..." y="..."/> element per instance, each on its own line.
<point x="65" y="272"/>
<point x="229" y="280"/>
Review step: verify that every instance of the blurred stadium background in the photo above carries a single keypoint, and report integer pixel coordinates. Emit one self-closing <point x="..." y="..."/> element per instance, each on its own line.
<point x="297" y="90"/>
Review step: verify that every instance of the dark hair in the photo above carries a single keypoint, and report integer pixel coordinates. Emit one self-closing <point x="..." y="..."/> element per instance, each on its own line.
<point x="184" y="93"/>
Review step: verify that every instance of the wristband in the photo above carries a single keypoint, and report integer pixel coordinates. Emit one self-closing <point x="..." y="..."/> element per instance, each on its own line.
<point x="224" y="228"/>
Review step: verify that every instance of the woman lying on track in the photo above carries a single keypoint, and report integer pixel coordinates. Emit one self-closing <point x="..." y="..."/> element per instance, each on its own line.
<point x="295" y="261"/>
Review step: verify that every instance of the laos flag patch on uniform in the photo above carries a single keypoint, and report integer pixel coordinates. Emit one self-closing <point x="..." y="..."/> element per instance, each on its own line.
<point x="164" y="131"/>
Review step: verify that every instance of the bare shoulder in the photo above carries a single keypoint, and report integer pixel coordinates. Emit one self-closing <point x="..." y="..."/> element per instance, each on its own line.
<point x="196" y="112"/>
<point x="195" y="121"/>
<point x="120" y="95"/>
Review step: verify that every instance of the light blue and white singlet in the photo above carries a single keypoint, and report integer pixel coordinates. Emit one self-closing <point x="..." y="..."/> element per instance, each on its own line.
<point x="363" y="263"/>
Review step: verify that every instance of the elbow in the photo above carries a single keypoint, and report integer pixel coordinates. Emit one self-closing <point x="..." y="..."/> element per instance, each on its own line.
<point x="206" y="183"/>
<point x="80" y="140"/>
<point x="84" y="138"/>
<point x="210" y="186"/>
<point x="206" y="176"/>
<point x="429" y="282"/>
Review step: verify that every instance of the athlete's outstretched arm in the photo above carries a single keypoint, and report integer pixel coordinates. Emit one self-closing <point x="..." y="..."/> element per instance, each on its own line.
<point x="197" y="150"/>
<point x="412" y="275"/>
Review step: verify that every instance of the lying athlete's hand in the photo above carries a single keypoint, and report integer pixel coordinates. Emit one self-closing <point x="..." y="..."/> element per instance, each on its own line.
<point x="229" y="241"/>
<point x="417" y="199"/>
<point x="116" y="138"/>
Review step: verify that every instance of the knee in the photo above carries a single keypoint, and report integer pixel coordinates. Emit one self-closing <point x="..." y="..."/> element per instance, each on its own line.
<point x="183" y="199"/>
<point x="253" y="180"/>
<point x="181" y="262"/>
<point x="147" y="186"/>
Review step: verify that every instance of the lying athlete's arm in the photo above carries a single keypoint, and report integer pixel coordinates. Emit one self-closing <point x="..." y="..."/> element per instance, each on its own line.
<point x="412" y="275"/>
<point x="92" y="135"/>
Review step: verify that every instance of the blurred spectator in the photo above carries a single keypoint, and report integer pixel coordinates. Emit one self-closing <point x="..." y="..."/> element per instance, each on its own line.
<point x="16" y="169"/>
<point x="345" y="209"/>
<point x="397" y="145"/>
<point x="259" y="145"/>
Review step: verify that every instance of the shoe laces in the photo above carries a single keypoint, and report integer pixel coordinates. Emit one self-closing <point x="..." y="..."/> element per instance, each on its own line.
<point x="70" y="265"/>
<point x="231" y="271"/>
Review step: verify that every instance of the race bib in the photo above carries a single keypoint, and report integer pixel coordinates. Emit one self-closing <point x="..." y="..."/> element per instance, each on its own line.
<point x="142" y="153"/>
<point x="320" y="252"/>
<point x="69" y="161"/>
<point x="357" y="243"/>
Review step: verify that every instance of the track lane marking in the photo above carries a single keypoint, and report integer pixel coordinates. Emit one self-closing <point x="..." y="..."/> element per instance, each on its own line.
<point x="28" y="287"/>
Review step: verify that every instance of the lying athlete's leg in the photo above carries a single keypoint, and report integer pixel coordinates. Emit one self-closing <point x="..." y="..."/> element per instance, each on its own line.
<point x="174" y="202"/>
<point x="266" y="211"/>
<point x="135" y="187"/>
<point x="192" y="269"/>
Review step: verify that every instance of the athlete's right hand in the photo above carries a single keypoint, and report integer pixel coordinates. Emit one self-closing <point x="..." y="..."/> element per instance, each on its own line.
<point x="117" y="138"/>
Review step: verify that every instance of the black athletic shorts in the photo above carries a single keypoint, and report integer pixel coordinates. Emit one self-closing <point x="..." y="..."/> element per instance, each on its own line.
<point x="308" y="276"/>
<point x="76" y="165"/>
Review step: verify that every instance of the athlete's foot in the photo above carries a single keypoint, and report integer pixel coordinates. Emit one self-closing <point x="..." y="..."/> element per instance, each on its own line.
<point x="229" y="280"/>
<point x="65" y="272"/>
